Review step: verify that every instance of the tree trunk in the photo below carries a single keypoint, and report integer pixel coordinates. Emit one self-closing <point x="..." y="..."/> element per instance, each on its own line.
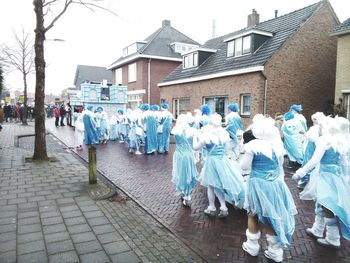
<point x="24" y="117"/>
<point x="40" y="152"/>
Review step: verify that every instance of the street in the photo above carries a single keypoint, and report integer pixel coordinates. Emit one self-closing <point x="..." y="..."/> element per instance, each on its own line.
<point x="147" y="180"/>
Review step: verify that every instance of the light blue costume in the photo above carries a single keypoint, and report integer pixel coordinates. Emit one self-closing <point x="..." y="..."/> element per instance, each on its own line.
<point x="90" y="133"/>
<point x="104" y="125"/>
<point x="333" y="190"/>
<point x="292" y="139"/>
<point x="206" y="111"/>
<point x="113" y="134"/>
<point x="268" y="196"/>
<point x="150" y="123"/>
<point x="166" y="122"/>
<point x="134" y="138"/>
<point x="219" y="173"/>
<point x="123" y="125"/>
<point x="184" y="173"/>
<point x="233" y="122"/>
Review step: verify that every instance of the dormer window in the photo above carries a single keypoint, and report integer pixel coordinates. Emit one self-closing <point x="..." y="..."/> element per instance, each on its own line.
<point x="246" y="42"/>
<point x="182" y="47"/>
<point x="190" y="60"/>
<point x="133" y="48"/>
<point x="239" y="46"/>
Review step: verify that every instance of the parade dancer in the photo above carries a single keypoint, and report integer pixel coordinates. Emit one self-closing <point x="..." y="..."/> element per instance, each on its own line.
<point x="97" y="119"/>
<point x="218" y="174"/>
<point x="233" y="124"/>
<point x="113" y="122"/>
<point x="122" y="126"/>
<point x="333" y="189"/>
<point x="206" y="112"/>
<point x="310" y="138"/>
<point x="184" y="173"/>
<point x="135" y="133"/>
<point x="104" y="126"/>
<point x="90" y="131"/>
<point x="297" y="109"/>
<point x="293" y="135"/>
<point x="268" y="202"/>
<point x="166" y="123"/>
<point x="79" y="131"/>
<point x="150" y="125"/>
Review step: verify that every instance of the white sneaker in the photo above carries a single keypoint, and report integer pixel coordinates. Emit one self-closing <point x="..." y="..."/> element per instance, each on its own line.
<point x="210" y="211"/>
<point x="138" y="152"/>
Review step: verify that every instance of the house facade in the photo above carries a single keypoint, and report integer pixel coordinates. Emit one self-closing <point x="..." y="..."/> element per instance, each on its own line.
<point x="342" y="84"/>
<point x="146" y="63"/>
<point x="265" y="67"/>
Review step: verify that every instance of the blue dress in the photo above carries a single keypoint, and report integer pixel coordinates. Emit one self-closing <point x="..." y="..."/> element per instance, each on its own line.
<point x="163" y="136"/>
<point x="234" y="123"/>
<point x="134" y="138"/>
<point x="333" y="190"/>
<point x="268" y="196"/>
<point x="184" y="173"/>
<point x="293" y="140"/>
<point x="150" y="122"/>
<point x="219" y="173"/>
<point x="90" y="134"/>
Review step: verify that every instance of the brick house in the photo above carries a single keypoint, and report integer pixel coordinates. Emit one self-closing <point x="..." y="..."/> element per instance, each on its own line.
<point x="145" y="63"/>
<point x="265" y="67"/>
<point x="342" y="83"/>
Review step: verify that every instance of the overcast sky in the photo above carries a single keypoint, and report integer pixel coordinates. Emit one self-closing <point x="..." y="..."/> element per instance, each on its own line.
<point x="97" y="38"/>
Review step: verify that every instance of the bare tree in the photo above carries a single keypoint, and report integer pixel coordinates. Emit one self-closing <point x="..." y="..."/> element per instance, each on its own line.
<point x="42" y="8"/>
<point x="21" y="58"/>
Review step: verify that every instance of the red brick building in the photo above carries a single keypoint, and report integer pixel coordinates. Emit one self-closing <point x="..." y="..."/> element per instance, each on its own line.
<point x="146" y="63"/>
<point x="265" y="67"/>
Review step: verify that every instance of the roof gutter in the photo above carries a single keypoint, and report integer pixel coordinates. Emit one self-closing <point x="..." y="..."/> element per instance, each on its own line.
<point x="213" y="76"/>
<point x="265" y="94"/>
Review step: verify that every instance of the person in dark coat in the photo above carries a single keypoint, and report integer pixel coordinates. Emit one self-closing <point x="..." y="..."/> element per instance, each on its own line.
<point x="63" y="114"/>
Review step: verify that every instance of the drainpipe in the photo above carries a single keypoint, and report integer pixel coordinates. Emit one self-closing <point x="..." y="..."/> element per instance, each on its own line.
<point x="265" y="94"/>
<point x="149" y="81"/>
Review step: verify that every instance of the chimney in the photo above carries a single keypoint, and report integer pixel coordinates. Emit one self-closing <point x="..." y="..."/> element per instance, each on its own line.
<point x="166" y="22"/>
<point x="253" y="18"/>
<point x="276" y="13"/>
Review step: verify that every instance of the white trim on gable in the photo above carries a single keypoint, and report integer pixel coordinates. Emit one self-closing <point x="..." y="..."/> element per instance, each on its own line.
<point x="137" y="56"/>
<point x="252" y="31"/>
<point x="213" y="76"/>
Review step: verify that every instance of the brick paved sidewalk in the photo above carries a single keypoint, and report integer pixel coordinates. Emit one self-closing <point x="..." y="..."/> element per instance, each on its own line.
<point x="47" y="215"/>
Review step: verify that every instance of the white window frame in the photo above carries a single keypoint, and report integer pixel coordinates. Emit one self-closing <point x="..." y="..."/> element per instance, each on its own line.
<point x="239" y="46"/>
<point x="244" y="101"/>
<point x="246" y="45"/>
<point x="177" y="109"/>
<point x="132" y="72"/>
<point x="119" y="76"/>
<point x="231" y="48"/>
<point x="190" y="60"/>
<point x="213" y="99"/>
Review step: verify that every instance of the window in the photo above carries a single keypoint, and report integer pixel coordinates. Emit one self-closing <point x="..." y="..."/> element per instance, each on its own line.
<point x="230" y="48"/>
<point x="239" y="46"/>
<point x="105" y="94"/>
<point x="119" y="76"/>
<point x="218" y="105"/>
<point x="180" y="106"/>
<point x="190" y="60"/>
<point x="132" y="72"/>
<point x="245" y="104"/>
<point x="246" y="45"/>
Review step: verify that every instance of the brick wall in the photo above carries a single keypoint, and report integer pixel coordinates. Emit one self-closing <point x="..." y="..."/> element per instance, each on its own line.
<point x="303" y="70"/>
<point x="343" y="66"/>
<point x="159" y="70"/>
<point x="232" y="87"/>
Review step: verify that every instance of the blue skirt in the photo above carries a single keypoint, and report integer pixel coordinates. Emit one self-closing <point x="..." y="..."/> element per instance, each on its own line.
<point x="219" y="173"/>
<point x="274" y="206"/>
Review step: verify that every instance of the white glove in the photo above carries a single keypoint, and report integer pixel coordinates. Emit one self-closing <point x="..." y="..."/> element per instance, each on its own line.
<point x="299" y="173"/>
